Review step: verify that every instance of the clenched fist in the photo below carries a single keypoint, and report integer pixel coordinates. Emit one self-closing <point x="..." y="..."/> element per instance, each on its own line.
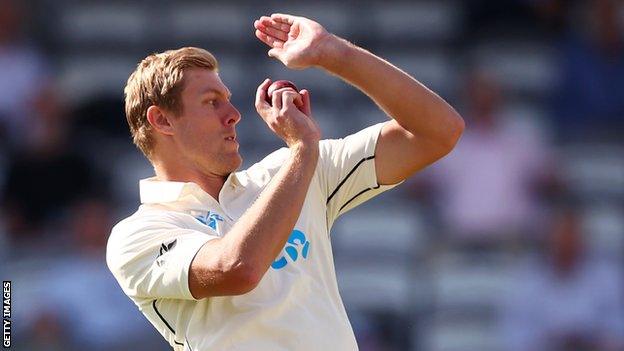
<point x="289" y="114"/>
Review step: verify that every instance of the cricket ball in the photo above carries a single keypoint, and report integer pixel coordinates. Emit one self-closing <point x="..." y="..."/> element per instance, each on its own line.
<point x="279" y="84"/>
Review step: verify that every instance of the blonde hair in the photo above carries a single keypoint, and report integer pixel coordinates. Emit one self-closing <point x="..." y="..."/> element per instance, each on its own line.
<point x="159" y="80"/>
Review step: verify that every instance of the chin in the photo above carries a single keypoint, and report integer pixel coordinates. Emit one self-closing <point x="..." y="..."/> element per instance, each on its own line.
<point x="239" y="163"/>
<point x="232" y="163"/>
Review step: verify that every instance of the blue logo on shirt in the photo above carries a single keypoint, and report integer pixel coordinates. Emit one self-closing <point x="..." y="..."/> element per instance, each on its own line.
<point x="296" y="243"/>
<point x="210" y="219"/>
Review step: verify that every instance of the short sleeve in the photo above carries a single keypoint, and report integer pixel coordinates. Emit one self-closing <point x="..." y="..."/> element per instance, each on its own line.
<point x="347" y="171"/>
<point x="151" y="258"/>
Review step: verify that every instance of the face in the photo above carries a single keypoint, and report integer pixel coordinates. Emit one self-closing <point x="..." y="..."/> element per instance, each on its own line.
<point x="205" y="131"/>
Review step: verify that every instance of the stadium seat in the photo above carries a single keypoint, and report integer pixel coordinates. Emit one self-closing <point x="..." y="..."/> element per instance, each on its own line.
<point x="129" y="167"/>
<point x="421" y="20"/>
<point x="522" y="67"/>
<point x="375" y="251"/>
<point x="335" y="17"/>
<point x="84" y="76"/>
<point x="459" y="284"/>
<point x="398" y="231"/>
<point x="603" y="225"/>
<point x="434" y="68"/>
<point x="460" y="336"/>
<point x="217" y="23"/>
<point x="593" y="170"/>
<point x="375" y="287"/>
<point x="467" y="291"/>
<point x="108" y="23"/>
<point x="232" y="70"/>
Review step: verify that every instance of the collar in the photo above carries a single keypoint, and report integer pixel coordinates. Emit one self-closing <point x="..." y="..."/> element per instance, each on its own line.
<point x="153" y="191"/>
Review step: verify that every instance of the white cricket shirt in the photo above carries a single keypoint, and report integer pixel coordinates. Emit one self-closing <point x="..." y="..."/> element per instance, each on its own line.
<point x="296" y="305"/>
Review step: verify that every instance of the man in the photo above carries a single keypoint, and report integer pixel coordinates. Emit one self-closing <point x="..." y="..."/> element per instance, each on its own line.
<point x="225" y="260"/>
<point x="497" y="202"/>
<point x="568" y="299"/>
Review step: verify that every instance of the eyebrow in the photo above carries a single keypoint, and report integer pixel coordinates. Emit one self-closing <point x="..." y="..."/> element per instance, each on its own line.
<point x="228" y="94"/>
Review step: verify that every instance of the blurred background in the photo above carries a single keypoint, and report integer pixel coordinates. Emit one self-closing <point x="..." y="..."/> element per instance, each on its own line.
<point x="514" y="241"/>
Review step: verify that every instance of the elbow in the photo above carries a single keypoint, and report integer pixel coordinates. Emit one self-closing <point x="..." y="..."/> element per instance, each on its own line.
<point x="460" y="126"/>
<point x="456" y="127"/>
<point x="243" y="278"/>
<point x="246" y="281"/>
<point x="446" y="140"/>
<point x="223" y="278"/>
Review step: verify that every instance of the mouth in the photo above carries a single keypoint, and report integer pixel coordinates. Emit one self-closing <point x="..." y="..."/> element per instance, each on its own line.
<point x="231" y="138"/>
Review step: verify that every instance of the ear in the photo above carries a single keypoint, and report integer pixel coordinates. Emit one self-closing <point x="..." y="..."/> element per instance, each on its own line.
<point x="159" y="120"/>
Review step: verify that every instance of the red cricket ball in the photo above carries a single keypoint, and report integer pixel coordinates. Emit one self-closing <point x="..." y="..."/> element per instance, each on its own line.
<point x="278" y="84"/>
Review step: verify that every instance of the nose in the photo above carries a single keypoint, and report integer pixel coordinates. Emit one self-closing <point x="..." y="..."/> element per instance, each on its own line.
<point x="233" y="116"/>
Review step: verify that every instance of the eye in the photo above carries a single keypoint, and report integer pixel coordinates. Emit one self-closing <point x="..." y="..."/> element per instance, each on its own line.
<point x="211" y="102"/>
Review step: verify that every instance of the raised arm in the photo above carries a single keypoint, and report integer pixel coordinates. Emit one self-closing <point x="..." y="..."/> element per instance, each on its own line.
<point x="424" y="126"/>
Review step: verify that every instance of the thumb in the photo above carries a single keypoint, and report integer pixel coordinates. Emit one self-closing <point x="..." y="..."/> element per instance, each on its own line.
<point x="306" y="107"/>
<point x="274" y="53"/>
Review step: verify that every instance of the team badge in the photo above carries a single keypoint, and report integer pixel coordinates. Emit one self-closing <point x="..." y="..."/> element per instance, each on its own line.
<point x="295" y="245"/>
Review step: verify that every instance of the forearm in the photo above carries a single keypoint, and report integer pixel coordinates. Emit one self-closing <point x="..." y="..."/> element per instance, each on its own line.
<point x="416" y="108"/>
<point x="260" y="234"/>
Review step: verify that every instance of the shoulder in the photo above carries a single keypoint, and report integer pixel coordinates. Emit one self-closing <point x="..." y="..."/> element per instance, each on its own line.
<point x="273" y="160"/>
<point x="147" y="217"/>
<point x="360" y="143"/>
<point x="365" y="139"/>
<point x="131" y="234"/>
<point x="262" y="171"/>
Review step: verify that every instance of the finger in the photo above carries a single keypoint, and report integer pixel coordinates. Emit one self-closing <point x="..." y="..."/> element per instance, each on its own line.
<point x="269" y="40"/>
<point x="283" y="18"/>
<point x="306" y="106"/>
<point x="263" y="37"/>
<point x="271" y="31"/>
<point x="275" y="52"/>
<point x="282" y="90"/>
<point x="276" y="99"/>
<point x="269" y="22"/>
<point x="298" y="101"/>
<point x="261" y="94"/>
<point x="266" y="24"/>
<point x="289" y="96"/>
<point x="274" y="33"/>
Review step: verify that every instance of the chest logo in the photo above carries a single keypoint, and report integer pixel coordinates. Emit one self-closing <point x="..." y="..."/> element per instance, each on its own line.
<point x="164" y="248"/>
<point x="296" y="244"/>
<point x="210" y="219"/>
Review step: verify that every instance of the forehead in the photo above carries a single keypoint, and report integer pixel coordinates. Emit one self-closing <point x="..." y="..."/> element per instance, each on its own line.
<point x="199" y="81"/>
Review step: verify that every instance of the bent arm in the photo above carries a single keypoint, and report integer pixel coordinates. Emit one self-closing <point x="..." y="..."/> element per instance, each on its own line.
<point x="424" y="126"/>
<point x="234" y="264"/>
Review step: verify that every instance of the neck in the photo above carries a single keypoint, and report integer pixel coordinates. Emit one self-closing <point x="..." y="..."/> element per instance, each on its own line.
<point x="209" y="182"/>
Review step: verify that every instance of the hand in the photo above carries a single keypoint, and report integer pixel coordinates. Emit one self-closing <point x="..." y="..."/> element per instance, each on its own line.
<point x="296" y="41"/>
<point x="289" y="116"/>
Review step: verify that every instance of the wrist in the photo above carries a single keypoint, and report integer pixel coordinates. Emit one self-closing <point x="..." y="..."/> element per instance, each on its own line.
<point x="305" y="149"/>
<point x="334" y="51"/>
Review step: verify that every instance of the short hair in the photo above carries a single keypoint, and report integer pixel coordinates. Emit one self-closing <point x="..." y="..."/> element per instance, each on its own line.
<point x="159" y="80"/>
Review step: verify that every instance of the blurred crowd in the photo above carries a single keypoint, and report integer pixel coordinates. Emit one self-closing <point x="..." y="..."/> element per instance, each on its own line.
<point x="521" y="227"/>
